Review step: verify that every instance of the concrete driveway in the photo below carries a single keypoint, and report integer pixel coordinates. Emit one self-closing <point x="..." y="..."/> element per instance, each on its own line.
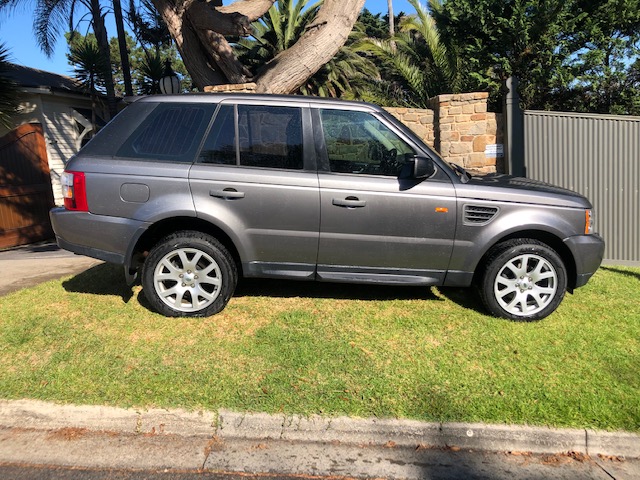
<point x="29" y="265"/>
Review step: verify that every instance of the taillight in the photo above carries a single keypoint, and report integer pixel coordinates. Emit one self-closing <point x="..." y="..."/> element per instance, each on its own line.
<point x="74" y="191"/>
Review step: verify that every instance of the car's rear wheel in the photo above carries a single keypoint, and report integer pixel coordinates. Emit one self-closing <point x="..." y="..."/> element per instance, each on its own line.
<point x="523" y="280"/>
<point x="189" y="273"/>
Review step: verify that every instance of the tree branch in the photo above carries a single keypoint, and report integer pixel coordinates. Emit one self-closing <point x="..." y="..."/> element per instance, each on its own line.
<point x="292" y="67"/>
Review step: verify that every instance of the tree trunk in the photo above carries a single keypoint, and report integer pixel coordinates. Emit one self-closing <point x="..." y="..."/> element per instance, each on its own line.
<point x="122" y="45"/>
<point x="103" y="45"/>
<point x="322" y="40"/>
<point x="198" y="28"/>
<point x="392" y="25"/>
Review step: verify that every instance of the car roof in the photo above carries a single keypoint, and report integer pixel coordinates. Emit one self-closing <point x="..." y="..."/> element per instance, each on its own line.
<point x="253" y="97"/>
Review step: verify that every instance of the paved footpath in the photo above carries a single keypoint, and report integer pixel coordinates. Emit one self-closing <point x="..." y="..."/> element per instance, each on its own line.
<point x="29" y="265"/>
<point x="97" y="437"/>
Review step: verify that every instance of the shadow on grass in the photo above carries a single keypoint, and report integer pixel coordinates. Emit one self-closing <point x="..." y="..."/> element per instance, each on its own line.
<point x="465" y="297"/>
<point x="619" y="271"/>
<point x="103" y="279"/>
<point x="108" y="279"/>
<point x="260" y="287"/>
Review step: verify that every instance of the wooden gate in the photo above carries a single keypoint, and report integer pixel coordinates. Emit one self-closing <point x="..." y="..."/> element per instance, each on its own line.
<point x="25" y="187"/>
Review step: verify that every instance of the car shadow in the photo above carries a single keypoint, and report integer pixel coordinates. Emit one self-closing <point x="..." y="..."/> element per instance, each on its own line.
<point x="464" y="297"/>
<point x="108" y="279"/>
<point x="264" y="287"/>
<point x="103" y="279"/>
<point x="619" y="271"/>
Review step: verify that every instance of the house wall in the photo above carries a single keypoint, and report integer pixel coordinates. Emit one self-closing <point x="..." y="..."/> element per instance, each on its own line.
<point x="62" y="136"/>
<point x="55" y="112"/>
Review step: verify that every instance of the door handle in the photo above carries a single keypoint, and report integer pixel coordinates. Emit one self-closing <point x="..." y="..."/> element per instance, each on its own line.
<point x="349" y="202"/>
<point x="227" y="193"/>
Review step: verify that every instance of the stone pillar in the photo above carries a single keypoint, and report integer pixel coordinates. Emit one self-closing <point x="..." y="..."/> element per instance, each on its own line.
<point x="465" y="132"/>
<point x="417" y="119"/>
<point x="234" y="87"/>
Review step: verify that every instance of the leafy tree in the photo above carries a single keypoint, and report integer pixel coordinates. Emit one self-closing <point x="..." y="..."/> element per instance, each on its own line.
<point x="604" y="45"/>
<point x="8" y="90"/>
<point x="568" y="54"/>
<point x="496" y="39"/>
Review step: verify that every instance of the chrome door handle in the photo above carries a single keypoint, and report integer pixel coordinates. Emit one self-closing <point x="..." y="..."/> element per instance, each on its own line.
<point x="227" y="193"/>
<point x="349" y="202"/>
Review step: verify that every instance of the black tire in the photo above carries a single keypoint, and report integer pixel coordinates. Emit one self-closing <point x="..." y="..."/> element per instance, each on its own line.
<point x="522" y="280"/>
<point x="189" y="274"/>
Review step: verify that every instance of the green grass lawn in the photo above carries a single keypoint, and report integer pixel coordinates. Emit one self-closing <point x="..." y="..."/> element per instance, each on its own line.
<point x="427" y="354"/>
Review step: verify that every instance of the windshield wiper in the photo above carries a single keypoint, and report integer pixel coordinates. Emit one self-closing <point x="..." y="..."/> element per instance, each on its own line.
<point x="462" y="173"/>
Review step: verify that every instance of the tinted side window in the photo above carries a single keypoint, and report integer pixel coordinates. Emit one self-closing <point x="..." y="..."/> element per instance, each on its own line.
<point x="270" y="136"/>
<point x="171" y="133"/>
<point x="255" y="136"/>
<point x="220" y="145"/>
<point x="357" y="142"/>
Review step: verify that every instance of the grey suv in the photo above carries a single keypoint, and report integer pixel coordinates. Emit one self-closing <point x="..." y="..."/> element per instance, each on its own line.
<point x="189" y="192"/>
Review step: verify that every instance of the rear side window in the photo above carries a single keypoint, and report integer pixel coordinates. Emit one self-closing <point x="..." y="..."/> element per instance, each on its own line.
<point x="171" y="133"/>
<point x="255" y="136"/>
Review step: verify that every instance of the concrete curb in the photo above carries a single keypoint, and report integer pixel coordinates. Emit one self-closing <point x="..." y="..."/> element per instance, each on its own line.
<point x="37" y="415"/>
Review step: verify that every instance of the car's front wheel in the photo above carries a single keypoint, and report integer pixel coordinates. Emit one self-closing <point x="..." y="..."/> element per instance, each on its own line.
<point x="523" y="280"/>
<point x="189" y="273"/>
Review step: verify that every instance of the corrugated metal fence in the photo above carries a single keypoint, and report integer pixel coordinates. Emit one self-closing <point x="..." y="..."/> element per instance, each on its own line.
<point x="598" y="156"/>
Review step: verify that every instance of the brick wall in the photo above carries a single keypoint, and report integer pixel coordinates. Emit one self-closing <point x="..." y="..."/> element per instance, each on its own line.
<point x="460" y="128"/>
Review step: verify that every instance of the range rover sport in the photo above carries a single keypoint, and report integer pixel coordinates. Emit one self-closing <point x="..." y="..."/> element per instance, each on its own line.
<point x="189" y="192"/>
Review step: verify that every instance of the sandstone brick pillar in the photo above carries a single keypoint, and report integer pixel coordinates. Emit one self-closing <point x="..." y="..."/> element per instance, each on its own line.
<point x="465" y="132"/>
<point x="234" y="87"/>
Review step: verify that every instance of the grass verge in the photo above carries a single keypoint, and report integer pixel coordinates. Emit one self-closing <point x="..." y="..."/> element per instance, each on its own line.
<point x="331" y="349"/>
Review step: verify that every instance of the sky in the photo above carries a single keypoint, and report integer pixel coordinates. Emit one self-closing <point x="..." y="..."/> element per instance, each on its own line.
<point x="16" y="33"/>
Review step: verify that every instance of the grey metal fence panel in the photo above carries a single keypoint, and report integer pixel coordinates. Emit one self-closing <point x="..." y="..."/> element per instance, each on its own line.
<point x="598" y="156"/>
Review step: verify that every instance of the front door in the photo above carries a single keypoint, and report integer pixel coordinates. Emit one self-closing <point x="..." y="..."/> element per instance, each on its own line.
<point x="375" y="226"/>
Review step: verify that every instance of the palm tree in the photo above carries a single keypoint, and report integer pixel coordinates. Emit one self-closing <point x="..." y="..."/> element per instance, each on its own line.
<point x="284" y="23"/>
<point x="122" y="46"/>
<point x="420" y="64"/>
<point x="91" y="68"/>
<point x="8" y="90"/>
<point x="151" y="71"/>
<point x="50" y="16"/>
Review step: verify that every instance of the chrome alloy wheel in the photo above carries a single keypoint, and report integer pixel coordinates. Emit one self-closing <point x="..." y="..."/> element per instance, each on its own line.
<point x="525" y="285"/>
<point x="187" y="279"/>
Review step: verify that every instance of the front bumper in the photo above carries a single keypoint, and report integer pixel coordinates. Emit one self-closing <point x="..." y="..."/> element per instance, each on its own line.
<point x="588" y="252"/>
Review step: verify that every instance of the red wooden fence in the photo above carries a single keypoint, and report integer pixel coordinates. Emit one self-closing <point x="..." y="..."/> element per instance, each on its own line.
<point x="25" y="187"/>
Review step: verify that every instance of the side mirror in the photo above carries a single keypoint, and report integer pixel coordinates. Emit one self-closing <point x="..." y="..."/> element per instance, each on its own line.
<point x="418" y="168"/>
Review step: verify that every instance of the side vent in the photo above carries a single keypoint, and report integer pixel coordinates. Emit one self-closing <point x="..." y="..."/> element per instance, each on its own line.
<point x="479" y="215"/>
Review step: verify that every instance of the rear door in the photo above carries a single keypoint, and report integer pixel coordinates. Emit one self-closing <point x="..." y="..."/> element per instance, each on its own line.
<point x="255" y="177"/>
<point x="374" y="226"/>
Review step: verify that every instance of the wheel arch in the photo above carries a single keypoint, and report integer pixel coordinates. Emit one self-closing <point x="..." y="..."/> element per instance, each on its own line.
<point x="547" y="238"/>
<point x="167" y="226"/>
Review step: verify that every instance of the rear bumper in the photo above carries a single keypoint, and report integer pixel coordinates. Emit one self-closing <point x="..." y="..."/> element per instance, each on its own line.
<point x="97" y="236"/>
<point x="588" y="251"/>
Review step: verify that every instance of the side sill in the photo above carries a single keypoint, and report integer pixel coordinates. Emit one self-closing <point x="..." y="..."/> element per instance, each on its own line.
<point x="291" y="271"/>
<point x="380" y="276"/>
